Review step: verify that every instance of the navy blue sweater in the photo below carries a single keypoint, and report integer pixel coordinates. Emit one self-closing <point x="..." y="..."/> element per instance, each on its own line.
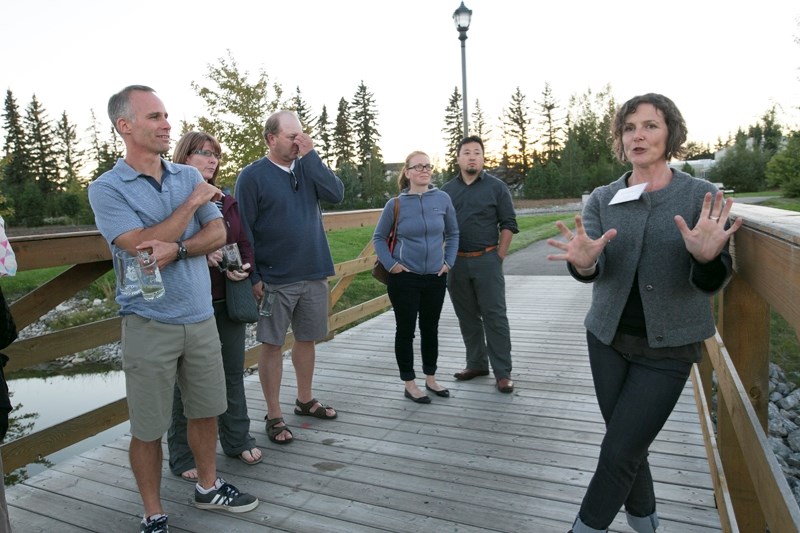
<point x="284" y="224"/>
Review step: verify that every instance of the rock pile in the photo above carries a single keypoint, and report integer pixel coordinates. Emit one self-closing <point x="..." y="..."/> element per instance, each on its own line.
<point x="784" y="425"/>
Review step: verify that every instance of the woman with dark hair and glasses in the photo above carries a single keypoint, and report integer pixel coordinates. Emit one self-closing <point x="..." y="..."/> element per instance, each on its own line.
<point x="203" y="152"/>
<point x="425" y="249"/>
<point x="655" y="245"/>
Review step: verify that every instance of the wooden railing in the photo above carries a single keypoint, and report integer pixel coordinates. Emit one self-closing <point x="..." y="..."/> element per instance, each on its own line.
<point x="88" y="257"/>
<point x="751" y="490"/>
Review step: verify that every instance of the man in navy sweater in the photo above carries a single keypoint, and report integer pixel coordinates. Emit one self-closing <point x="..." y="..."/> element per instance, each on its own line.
<point x="279" y="199"/>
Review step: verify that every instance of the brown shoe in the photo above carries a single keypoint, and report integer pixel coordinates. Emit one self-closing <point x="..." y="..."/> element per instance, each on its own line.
<point x="468" y="373"/>
<point x="505" y="385"/>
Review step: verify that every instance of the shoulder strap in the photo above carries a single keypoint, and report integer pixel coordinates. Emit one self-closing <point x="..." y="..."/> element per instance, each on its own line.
<point x="393" y="234"/>
<point x="396" y="212"/>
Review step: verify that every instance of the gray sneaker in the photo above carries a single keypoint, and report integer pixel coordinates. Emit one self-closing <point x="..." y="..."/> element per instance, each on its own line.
<point x="226" y="498"/>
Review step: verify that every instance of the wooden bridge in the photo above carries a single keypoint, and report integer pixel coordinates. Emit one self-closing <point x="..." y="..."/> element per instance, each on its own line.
<point x="478" y="461"/>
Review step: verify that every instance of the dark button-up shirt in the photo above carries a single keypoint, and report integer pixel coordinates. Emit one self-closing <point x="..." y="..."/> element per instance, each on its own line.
<point x="483" y="209"/>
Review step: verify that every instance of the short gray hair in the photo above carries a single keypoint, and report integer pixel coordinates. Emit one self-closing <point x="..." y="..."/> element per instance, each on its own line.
<point x="119" y="105"/>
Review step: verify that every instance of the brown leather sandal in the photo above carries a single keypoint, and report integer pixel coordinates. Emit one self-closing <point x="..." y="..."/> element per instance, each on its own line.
<point x="273" y="430"/>
<point x="304" y="409"/>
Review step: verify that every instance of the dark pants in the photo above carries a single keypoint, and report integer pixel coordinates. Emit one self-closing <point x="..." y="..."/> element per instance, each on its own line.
<point x="636" y="396"/>
<point x="478" y="292"/>
<point x="234" y="424"/>
<point x="414" y="295"/>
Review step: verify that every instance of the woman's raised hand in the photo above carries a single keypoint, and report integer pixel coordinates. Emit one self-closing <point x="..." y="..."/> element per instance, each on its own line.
<point x="579" y="250"/>
<point x="709" y="236"/>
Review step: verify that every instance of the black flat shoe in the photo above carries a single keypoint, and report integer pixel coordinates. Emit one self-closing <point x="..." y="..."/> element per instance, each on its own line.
<point x="444" y="393"/>
<point x="421" y="399"/>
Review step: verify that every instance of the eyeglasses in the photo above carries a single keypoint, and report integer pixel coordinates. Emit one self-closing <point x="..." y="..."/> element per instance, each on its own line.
<point x="421" y="168"/>
<point x="293" y="181"/>
<point x="207" y="153"/>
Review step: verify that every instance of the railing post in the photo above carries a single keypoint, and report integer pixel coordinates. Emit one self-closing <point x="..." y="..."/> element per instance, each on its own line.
<point x="745" y="331"/>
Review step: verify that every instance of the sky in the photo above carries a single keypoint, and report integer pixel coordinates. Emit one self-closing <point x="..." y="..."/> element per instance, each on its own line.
<point x="724" y="64"/>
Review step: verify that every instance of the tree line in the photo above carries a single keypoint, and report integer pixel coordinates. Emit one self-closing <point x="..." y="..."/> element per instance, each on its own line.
<point x="548" y="150"/>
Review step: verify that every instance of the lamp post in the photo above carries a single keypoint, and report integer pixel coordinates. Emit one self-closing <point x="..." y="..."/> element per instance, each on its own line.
<point x="462" y="17"/>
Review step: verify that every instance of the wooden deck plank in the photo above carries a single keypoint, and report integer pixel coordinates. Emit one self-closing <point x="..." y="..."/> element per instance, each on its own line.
<point x="477" y="461"/>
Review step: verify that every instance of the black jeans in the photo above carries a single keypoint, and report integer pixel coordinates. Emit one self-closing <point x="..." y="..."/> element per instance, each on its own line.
<point x="636" y="396"/>
<point x="415" y="295"/>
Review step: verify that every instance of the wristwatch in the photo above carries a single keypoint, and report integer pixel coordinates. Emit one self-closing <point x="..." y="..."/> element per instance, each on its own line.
<point x="181" y="251"/>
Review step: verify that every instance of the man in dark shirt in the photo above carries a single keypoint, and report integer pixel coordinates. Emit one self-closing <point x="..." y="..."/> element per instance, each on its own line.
<point x="486" y="222"/>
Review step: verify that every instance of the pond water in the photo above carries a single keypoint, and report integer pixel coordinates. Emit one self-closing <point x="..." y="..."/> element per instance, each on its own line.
<point x="60" y="398"/>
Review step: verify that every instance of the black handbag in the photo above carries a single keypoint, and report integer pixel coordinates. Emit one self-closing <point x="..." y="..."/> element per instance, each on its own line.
<point x="239" y="299"/>
<point x="379" y="272"/>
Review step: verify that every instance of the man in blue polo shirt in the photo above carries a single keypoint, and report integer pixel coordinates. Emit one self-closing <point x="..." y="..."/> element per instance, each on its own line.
<point x="147" y="203"/>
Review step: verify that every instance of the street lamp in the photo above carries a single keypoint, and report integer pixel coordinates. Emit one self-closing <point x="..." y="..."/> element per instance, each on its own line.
<point x="462" y="17"/>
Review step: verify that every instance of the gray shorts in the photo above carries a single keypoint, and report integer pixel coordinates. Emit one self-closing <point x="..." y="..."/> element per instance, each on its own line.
<point x="304" y="305"/>
<point x="154" y="355"/>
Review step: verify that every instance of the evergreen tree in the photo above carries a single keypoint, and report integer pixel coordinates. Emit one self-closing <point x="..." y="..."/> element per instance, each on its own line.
<point x="368" y="153"/>
<point x="343" y="147"/>
<point x="237" y="111"/>
<point x="591" y="161"/>
<point x="68" y="153"/>
<point x="303" y="112"/>
<point x="364" y="115"/>
<point x="41" y="147"/>
<point x="767" y="134"/>
<point x="551" y="134"/>
<point x="354" y="194"/>
<point x="479" y="124"/>
<point x="324" y="137"/>
<point x="30" y="206"/>
<point x="453" y="130"/>
<point x="104" y="152"/>
<point x="517" y="123"/>
<point x="16" y="167"/>
<point x="503" y="168"/>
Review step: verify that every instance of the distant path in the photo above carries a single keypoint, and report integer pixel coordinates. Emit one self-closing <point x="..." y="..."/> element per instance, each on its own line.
<point x="532" y="261"/>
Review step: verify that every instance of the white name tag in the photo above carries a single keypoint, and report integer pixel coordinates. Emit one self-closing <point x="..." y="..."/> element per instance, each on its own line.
<point x="629" y="194"/>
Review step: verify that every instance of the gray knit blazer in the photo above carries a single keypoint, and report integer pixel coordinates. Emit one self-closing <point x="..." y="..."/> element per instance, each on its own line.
<point x="676" y="311"/>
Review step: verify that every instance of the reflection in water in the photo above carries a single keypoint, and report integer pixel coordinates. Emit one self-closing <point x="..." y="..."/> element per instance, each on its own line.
<point x="48" y="401"/>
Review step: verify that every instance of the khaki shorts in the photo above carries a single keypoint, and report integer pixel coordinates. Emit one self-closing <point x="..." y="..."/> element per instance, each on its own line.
<point x="304" y="305"/>
<point x="154" y="355"/>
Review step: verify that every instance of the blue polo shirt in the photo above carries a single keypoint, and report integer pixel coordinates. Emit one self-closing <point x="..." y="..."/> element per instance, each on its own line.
<point x="124" y="200"/>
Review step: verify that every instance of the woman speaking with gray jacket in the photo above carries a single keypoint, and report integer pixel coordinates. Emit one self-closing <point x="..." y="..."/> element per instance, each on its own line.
<point x="654" y="244"/>
<point x="425" y="250"/>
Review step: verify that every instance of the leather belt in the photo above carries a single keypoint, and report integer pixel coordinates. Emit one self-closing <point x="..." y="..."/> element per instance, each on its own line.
<point x="478" y="253"/>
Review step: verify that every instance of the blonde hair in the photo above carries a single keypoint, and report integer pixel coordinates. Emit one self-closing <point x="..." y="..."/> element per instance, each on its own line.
<point x="402" y="180"/>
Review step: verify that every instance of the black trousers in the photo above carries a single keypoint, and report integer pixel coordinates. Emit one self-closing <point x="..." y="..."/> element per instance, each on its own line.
<point x="412" y="296"/>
